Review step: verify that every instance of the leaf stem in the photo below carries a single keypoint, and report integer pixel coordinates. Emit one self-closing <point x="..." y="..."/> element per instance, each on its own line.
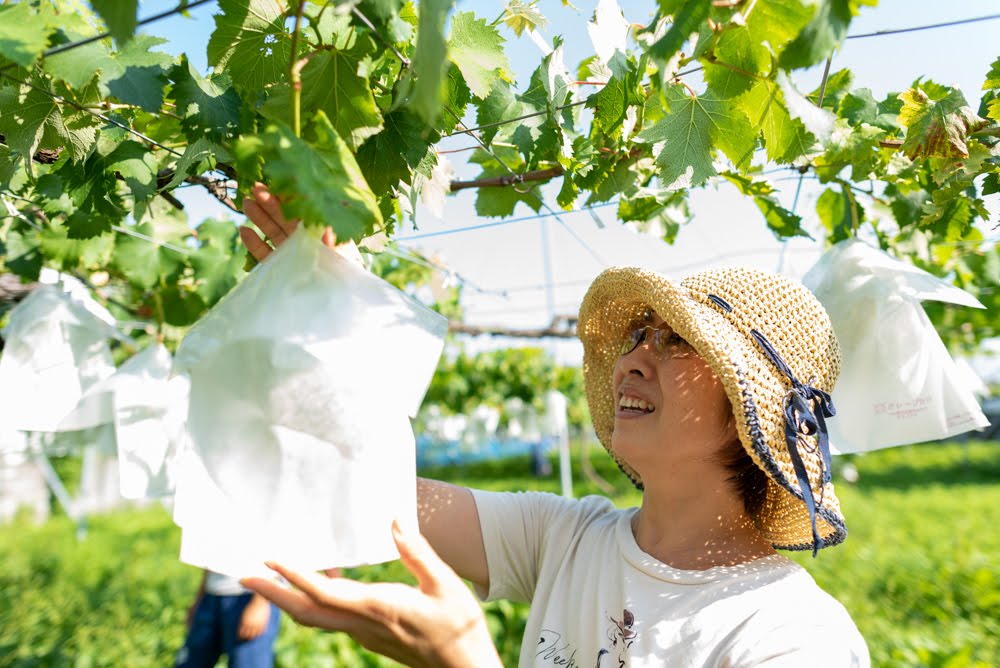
<point x="160" y="313"/>
<point x="691" y="92"/>
<point x="738" y="70"/>
<point x="295" y="72"/>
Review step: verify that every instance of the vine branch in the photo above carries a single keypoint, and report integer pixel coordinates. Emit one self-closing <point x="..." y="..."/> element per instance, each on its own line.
<point x="295" y="71"/>
<point x="508" y="179"/>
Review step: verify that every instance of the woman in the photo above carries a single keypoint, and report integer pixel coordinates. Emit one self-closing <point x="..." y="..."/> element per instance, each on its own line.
<point x="712" y="397"/>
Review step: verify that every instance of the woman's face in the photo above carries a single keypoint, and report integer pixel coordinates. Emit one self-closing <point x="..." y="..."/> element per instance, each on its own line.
<point x="672" y="411"/>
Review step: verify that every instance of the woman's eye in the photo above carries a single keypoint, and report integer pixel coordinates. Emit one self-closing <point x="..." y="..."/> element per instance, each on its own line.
<point x="675" y="339"/>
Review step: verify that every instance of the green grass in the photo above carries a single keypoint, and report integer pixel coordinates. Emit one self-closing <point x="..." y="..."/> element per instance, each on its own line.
<point x="920" y="571"/>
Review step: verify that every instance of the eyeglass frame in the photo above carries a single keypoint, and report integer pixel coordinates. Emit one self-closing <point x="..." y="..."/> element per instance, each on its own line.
<point x="660" y="345"/>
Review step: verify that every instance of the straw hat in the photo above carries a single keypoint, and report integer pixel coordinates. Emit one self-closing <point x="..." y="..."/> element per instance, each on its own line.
<point x="773" y="348"/>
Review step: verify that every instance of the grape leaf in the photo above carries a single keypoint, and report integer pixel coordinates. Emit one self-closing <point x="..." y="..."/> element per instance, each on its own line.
<point x="770" y="27"/>
<point x="857" y="146"/>
<point x="501" y="202"/>
<point x="859" y="106"/>
<point x="404" y="136"/>
<point x="611" y="102"/>
<point x="729" y="128"/>
<point x="725" y="81"/>
<point x="136" y="165"/>
<point x="993" y="112"/>
<point x="381" y="9"/>
<point x="500" y="105"/>
<point x="783" y="223"/>
<point x="8" y="166"/>
<point x="82" y="224"/>
<point x="784" y="137"/>
<point x="819" y="122"/>
<point x="140" y="73"/>
<point x="24" y="114"/>
<point x="549" y="84"/>
<point x="330" y="82"/>
<point x="119" y="16"/>
<point x="520" y="17"/>
<point x="217" y="262"/>
<point x="209" y="107"/>
<point x="78" y="66"/>
<point x="142" y="262"/>
<point x="181" y="306"/>
<point x="194" y="157"/>
<point x="430" y="59"/>
<point x="477" y="49"/>
<point x="23" y="34"/>
<point x="250" y="42"/>
<point x="823" y="34"/>
<point x="609" y="30"/>
<point x="22" y="256"/>
<point x="64" y="253"/>
<point x="837" y="86"/>
<point x="456" y="98"/>
<point x="993" y="76"/>
<point x="937" y="127"/>
<point x="319" y="177"/>
<point x="834" y="210"/>
<point x="991" y="184"/>
<point x="687" y="20"/>
<point x="683" y="139"/>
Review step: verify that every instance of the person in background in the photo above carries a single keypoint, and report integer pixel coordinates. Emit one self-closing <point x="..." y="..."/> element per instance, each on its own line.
<point x="226" y="618"/>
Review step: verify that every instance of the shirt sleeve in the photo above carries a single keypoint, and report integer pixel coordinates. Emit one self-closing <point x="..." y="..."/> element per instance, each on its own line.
<point x="520" y="528"/>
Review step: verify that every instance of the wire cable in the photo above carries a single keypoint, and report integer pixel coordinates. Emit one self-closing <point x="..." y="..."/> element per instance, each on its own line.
<point x="69" y="46"/>
<point x="498" y="223"/>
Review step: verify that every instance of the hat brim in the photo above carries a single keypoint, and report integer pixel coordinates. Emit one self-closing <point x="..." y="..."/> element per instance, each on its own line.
<point x="617" y="299"/>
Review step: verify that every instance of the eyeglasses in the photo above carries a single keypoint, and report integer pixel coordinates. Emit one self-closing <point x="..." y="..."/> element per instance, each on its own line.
<point x="663" y="339"/>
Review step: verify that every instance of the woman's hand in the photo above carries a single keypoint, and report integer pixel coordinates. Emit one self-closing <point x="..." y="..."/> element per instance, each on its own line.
<point x="439" y="623"/>
<point x="253" y="621"/>
<point x="264" y="210"/>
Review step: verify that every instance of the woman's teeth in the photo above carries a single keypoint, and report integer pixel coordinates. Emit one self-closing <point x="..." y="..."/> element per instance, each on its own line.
<point x="635" y="404"/>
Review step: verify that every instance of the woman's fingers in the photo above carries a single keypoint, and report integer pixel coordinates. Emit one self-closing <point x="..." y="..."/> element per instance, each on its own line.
<point x="276" y="232"/>
<point x="270" y="205"/>
<point x="300" y="605"/>
<point x="329" y="238"/>
<point x="341" y="593"/>
<point x="257" y="246"/>
<point x="420" y="559"/>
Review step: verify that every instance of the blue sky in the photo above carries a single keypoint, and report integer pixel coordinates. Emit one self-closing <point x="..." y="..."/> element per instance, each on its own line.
<point x="726" y="228"/>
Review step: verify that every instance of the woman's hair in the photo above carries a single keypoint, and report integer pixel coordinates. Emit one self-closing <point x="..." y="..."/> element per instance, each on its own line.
<point x="748" y="479"/>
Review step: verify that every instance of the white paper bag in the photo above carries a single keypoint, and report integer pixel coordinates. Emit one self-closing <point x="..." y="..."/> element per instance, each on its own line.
<point x="898" y="384"/>
<point x="55" y="350"/>
<point x="150" y="409"/>
<point x="302" y="381"/>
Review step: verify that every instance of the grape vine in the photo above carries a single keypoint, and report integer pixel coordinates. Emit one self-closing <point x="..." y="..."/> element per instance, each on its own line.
<point x="340" y="106"/>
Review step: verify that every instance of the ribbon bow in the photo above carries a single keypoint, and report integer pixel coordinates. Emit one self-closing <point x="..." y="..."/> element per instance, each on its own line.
<point x="806" y="409"/>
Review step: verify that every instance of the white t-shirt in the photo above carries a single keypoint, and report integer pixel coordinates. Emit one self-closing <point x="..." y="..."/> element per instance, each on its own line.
<point x="220" y="584"/>
<point x="599" y="601"/>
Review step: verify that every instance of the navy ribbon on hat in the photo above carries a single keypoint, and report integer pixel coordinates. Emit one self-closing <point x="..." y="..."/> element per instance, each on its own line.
<point x="806" y="409"/>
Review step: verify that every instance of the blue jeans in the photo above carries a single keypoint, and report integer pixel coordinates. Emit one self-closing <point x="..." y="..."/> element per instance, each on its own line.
<point x="214" y="632"/>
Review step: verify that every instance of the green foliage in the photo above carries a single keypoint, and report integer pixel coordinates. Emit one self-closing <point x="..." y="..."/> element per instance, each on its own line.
<point x="120" y="17"/>
<point x="321" y="179"/>
<point x="463" y="382"/>
<point x="394" y="81"/>
<point x="477" y="49"/>
<point x="918" y="572"/>
<point x="937" y="127"/>
<point x="24" y="34"/>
